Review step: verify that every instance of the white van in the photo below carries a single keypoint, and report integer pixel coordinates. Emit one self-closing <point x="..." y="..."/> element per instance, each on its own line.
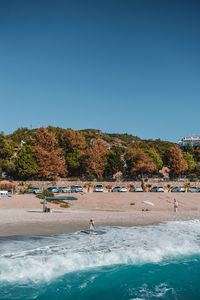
<point x="3" y="193"/>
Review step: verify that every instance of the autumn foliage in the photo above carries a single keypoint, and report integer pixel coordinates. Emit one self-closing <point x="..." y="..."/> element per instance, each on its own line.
<point x="52" y="152"/>
<point x="142" y="163"/>
<point x="178" y="164"/>
<point x="49" y="156"/>
<point x="96" y="158"/>
<point x="72" y="139"/>
<point x="6" y="185"/>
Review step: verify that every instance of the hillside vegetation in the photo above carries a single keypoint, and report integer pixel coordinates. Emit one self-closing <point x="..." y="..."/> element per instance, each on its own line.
<point x="52" y="152"/>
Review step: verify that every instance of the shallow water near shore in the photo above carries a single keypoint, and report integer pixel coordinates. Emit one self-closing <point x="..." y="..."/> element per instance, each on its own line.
<point x="151" y="262"/>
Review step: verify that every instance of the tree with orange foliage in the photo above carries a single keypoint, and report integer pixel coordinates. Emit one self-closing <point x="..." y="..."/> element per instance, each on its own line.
<point x="139" y="163"/>
<point x="178" y="164"/>
<point x="49" y="156"/>
<point x="143" y="163"/>
<point x="96" y="159"/>
<point x="72" y="139"/>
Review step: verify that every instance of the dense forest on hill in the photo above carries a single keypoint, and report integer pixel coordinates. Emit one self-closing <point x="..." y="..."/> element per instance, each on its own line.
<point x="52" y="152"/>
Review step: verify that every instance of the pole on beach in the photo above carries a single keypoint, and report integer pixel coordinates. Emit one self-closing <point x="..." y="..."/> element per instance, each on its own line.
<point x="44" y="204"/>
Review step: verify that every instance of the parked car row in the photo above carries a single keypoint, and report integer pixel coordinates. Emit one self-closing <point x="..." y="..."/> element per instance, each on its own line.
<point x="159" y="189"/>
<point x="177" y="189"/>
<point x="136" y="189"/>
<point x="70" y="189"/>
<point x="119" y="189"/>
<point x="192" y="189"/>
<point x="53" y="189"/>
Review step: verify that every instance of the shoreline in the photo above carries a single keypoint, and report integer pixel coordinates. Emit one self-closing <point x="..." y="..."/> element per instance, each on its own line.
<point x="67" y="225"/>
<point x="22" y="214"/>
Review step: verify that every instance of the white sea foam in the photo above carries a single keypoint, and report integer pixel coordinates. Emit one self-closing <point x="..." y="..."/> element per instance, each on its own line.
<point x="145" y="292"/>
<point x="45" y="258"/>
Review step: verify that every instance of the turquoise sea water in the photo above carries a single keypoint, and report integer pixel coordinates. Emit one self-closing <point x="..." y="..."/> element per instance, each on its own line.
<point x="151" y="262"/>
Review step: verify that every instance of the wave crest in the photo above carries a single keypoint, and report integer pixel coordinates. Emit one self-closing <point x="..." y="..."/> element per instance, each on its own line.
<point x="45" y="258"/>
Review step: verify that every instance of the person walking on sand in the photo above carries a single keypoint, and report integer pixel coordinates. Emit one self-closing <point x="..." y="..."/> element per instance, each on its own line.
<point x="175" y="205"/>
<point x="91" y="225"/>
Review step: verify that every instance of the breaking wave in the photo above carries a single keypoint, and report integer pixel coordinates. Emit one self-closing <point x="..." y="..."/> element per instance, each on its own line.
<point x="43" y="259"/>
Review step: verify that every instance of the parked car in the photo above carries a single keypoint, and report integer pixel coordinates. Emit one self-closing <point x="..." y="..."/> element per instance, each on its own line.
<point x="53" y="189"/>
<point x="178" y="189"/>
<point x="157" y="189"/>
<point x="76" y="188"/>
<point x="123" y="189"/>
<point x="10" y="193"/>
<point x="66" y="189"/>
<point x="116" y="189"/>
<point x="137" y="190"/>
<point x="119" y="189"/>
<point x="34" y="190"/>
<point x="98" y="188"/>
<point x="193" y="189"/>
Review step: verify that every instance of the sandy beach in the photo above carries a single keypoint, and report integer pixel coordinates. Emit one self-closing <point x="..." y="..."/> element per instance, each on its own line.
<point x="22" y="214"/>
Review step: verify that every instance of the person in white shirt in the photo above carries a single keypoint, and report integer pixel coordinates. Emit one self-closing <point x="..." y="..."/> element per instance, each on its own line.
<point x="91" y="225"/>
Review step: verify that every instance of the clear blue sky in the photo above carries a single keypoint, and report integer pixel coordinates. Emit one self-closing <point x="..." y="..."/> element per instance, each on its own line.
<point x="119" y="66"/>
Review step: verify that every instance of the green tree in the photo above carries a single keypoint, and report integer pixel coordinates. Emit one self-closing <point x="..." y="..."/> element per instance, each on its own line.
<point x="156" y="158"/>
<point x="26" y="165"/>
<point x="114" y="161"/>
<point x="8" y="166"/>
<point x="190" y="161"/>
<point x="22" y="134"/>
<point x="75" y="162"/>
<point x="197" y="154"/>
<point x="7" y="154"/>
<point x="7" y="147"/>
<point x="73" y="143"/>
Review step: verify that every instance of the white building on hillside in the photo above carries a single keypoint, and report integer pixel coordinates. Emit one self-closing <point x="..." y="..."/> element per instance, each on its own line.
<point x="193" y="141"/>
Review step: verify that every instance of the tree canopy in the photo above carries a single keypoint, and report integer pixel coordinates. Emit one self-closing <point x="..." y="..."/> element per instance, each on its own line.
<point x="52" y="152"/>
<point x="178" y="164"/>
